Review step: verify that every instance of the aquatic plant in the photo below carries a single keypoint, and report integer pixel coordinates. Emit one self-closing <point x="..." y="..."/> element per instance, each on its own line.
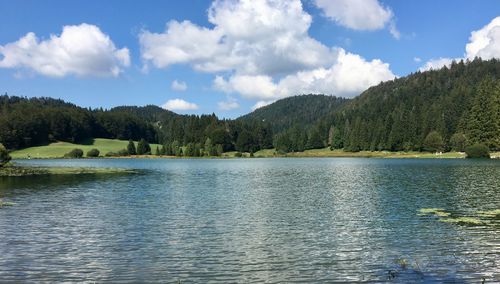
<point x="489" y="214"/>
<point x="435" y="211"/>
<point x="4" y="203"/>
<point x="469" y="221"/>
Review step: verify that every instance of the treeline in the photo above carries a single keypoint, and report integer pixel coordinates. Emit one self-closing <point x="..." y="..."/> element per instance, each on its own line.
<point x="439" y="110"/>
<point x="26" y="122"/>
<point x="37" y="121"/>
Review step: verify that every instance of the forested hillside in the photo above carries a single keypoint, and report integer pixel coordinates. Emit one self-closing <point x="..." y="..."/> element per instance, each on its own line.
<point x="446" y="109"/>
<point x="435" y="111"/>
<point x="37" y="121"/>
<point x="299" y="111"/>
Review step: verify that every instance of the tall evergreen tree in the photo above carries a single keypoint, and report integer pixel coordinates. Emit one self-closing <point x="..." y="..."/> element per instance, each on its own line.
<point x="131" y="148"/>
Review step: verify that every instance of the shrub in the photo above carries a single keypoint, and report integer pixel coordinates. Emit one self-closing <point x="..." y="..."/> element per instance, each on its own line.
<point x="477" y="151"/>
<point x="93" y="153"/>
<point x="4" y="155"/>
<point x="111" y="154"/>
<point x="74" y="154"/>
<point x="238" y="154"/>
<point x="123" y="152"/>
<point x="433" y="142"/>
<point x="458" y="142"/>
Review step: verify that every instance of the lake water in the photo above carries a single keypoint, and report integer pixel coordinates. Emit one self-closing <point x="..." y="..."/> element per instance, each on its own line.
<point x="252" y="220"/>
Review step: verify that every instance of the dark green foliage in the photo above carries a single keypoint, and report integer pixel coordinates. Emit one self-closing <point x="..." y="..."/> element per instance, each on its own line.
<point x="299" y="111"/>
<point x="131" y="148"/>
<point x="93" y="153"/>
<point x="4" y="155"/>
<point x="399" y="114"/>
<point x="123" y="152"/>
<point x="238" y="154"/>
<point x="74" y="154"/>
<point x="433" y="142"/>
<point x="246" y="142"/>
<point x="190" y="150"/>
<point x="112" y="154"/>
<point x="38" y="121"/>
<point x="477" y="151"/>
<point x="314" y="141"/>
<point x="219" y="150"/>
<point x="143" y="148"/>
<point x="458" y="142"/>
<point x="483" y="120"/>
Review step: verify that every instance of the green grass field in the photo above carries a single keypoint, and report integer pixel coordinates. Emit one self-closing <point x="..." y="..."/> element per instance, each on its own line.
<point x="58" y="149"/>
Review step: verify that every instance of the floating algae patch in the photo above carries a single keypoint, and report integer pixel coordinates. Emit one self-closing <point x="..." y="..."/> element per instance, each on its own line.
<point x="489" y="214"/>
<point x="469" y="221"/>
<point x="5" y="204"/>
<point x="17" y="171"/>
<point x="433" y="211"/>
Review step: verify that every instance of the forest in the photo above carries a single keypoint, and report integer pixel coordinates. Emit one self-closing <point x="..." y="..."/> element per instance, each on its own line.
<point x="438" y="110"/>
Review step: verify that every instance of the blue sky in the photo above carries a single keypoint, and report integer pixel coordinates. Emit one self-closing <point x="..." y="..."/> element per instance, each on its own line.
<point x="227" y="56"/>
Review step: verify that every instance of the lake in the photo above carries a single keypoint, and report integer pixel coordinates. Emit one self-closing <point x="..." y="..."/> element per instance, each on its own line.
<point x="253" y="220"/>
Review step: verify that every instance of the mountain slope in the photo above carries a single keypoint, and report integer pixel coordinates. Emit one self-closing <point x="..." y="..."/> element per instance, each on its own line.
<point x="460" y="102"/>
<point x="298" y="111"/>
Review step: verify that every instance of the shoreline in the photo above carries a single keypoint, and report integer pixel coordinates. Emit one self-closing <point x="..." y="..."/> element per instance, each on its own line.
<point x="376" y="155"/>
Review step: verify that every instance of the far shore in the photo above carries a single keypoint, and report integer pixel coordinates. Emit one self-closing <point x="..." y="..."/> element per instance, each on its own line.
<point x="271" y="153"/>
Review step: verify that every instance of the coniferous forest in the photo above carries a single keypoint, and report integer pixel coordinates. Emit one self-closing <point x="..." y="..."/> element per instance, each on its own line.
<point x="439" y="110"/>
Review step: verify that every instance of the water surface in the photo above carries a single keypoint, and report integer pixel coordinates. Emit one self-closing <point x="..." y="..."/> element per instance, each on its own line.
<point x="252" y="220"/>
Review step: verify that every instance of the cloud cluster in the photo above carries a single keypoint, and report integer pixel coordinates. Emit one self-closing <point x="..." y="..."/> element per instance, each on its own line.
<point x="364" y="15"/>
<point x="179" y="104"/>
<point x="179" y="86"/>
<point x="261" y="50"/>
<point x="484" y="43"/>
<point x="82" y="50"/>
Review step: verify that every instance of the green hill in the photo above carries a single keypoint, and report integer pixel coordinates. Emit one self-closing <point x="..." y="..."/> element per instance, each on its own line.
<point x="298" y="111"/>
<point x="58" y="149"/>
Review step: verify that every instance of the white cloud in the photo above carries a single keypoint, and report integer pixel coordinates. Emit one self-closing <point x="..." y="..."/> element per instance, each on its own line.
<point x="359" y="14"/>
<point x="261" y="47"/>
<point x="82" y="50"/>
<point x="179" y="104"/>
<point x="249" y="37"/>
<point x="417" y="59"/>
<point x="260" y="104"/>
<point x="484" y="43"/>
<point x="348" y="77"/>
<point x="436" y="64"/>
<point x="229" y="104"/>
<point x="178" y="86"/>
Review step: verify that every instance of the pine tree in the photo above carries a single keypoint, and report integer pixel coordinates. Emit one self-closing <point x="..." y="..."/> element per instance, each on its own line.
<point x="131" y="148"/>
<point x="483" y="124"/>
<point x="143" y="147"/>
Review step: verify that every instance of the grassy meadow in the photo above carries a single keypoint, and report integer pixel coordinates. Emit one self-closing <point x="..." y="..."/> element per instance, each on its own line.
<point x="58" y="149"/>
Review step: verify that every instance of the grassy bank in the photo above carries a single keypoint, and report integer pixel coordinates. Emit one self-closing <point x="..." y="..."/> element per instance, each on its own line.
<point x="326" y="152"/>
<point x="58" y="149"/>
<point x="17" y="171"/>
